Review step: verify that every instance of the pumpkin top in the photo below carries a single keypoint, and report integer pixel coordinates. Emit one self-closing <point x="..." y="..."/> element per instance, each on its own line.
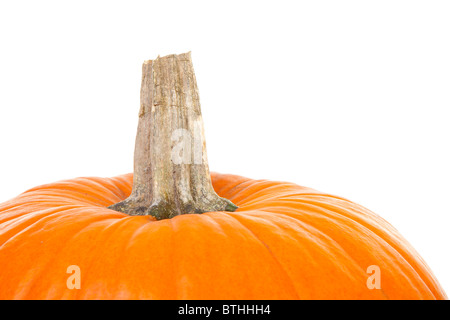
<point x="304" y="244"/>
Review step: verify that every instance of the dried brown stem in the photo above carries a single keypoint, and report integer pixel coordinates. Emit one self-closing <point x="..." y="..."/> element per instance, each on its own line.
<point x="171" y="174"/>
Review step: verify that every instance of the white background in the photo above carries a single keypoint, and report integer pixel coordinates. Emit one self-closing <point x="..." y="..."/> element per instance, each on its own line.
<point x="347" y="97"/>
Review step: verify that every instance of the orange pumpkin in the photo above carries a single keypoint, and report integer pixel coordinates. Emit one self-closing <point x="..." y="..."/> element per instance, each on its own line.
<point x="284" y="242"/>
<point x="98" y="238"/>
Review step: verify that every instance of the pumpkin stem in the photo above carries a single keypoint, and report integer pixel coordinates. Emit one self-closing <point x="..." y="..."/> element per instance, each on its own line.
<point x="171" y="174"/>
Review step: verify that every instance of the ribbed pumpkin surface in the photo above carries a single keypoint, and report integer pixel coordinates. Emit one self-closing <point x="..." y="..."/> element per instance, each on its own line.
<point x="284" y="242"/>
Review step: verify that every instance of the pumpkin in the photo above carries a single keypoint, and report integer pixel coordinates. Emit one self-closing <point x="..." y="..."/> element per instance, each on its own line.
<point x="284" y="242"/>
<point x="173" y="230"/>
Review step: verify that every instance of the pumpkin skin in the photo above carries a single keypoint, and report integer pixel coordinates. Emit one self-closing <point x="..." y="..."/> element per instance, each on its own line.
<point x="284" y="242"/>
